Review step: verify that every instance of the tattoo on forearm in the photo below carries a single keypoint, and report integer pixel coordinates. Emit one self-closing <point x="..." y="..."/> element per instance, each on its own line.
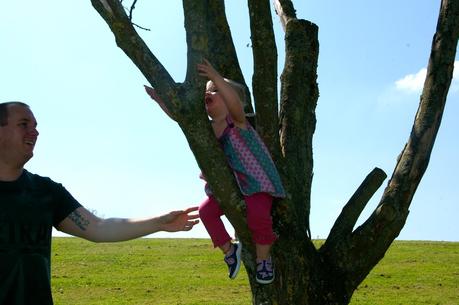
<point x="79" y="220"/>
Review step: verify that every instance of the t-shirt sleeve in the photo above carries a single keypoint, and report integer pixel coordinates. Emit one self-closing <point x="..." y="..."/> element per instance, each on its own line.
<point x="64" y="203"/>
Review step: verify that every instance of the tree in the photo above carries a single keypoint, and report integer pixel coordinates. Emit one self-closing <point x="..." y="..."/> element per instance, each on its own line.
<point x="305" y="274"/>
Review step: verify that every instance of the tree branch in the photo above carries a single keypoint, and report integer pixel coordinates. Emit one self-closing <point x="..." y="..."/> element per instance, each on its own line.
<point x="135" y="48"/>
<point x="203" y="38"/>
<point x="131" y="10"/>
<point x="371" y="240"/>
<point x="264" y="79"/>
<point x="299" y="94"/>
<point x="185" y="101"/>
<point x="349" y="215"/>
<point x="285" y="10"/>
<point x="222" y="51"/>
<point x="197" y="38"/>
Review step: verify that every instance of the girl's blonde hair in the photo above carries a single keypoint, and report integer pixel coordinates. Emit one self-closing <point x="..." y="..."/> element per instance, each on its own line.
<point x="240" y="90"/>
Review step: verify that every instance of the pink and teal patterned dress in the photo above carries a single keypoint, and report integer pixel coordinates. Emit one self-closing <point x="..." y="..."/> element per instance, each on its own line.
<point x="250" y="161"/>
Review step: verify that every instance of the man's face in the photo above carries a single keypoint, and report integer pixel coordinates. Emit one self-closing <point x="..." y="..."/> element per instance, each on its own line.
<point x="18" y="137"/>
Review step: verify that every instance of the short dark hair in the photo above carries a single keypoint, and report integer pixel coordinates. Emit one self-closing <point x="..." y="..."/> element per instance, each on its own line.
<point x="4" y="110"/>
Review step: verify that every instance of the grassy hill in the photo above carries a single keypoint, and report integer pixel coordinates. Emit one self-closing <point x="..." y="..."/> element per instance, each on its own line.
<point x="190" y="271"/>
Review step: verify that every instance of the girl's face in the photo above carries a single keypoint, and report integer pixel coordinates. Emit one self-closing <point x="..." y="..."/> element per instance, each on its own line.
<point x="215" y="105"/>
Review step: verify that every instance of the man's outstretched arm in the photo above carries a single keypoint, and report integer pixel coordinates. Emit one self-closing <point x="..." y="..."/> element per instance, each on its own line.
<point x="84" y="224"/>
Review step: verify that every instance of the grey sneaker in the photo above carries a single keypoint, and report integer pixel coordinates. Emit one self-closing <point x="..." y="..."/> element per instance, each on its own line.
<point x="265" y="271"/>
<point x="233" y="260"/>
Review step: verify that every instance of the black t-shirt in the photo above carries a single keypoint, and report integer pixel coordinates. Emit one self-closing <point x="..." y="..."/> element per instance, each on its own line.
<point x="29" y="208"/>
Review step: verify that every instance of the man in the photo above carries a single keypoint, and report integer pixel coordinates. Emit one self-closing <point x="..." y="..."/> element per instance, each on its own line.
<point x="30" y="205"/>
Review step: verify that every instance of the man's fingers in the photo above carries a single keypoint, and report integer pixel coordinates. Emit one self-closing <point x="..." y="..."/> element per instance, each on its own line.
<point x="192" y="209"/>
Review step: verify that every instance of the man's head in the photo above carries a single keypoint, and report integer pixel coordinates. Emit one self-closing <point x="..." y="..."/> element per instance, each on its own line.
<point x="18" y="133"/>
<point x="4" y="111"/>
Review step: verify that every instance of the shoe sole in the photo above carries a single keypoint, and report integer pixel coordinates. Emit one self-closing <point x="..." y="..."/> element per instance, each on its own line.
<point x="266" y="282"/>
<point x="238" y="265"/>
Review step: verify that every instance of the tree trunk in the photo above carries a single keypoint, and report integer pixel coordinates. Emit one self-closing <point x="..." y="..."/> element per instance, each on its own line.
<point x="305" y="274"/>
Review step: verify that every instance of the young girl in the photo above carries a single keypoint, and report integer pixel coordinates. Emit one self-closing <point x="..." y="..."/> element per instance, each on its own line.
<point x="253" y="168"/>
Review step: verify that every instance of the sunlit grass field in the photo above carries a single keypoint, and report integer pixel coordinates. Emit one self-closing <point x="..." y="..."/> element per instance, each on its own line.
<point x="190" y="271"/>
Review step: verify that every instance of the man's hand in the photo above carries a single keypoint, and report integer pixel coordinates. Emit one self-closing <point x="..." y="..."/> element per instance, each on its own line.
<point x="179" y="220"/>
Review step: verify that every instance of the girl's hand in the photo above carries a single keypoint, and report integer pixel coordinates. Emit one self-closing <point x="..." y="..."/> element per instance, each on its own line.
<point x="154" y="95"/>
<point x="207" y="70"/>
<point x="230" y="97"/>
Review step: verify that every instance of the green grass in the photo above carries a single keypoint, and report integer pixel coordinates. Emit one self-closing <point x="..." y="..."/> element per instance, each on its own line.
<point x="190" y="271"/>
<point x="413" y="273"/>
<point x="143" y="271"/>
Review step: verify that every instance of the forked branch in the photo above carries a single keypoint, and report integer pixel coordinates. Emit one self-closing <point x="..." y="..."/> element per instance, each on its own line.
<point x="371" y="240"/>
<point x="127" y="39"/>
<point x="346" y="221"/>
<point x="264" y="80"/>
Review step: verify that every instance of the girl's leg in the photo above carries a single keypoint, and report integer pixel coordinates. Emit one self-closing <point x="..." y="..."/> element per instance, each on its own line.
<point x="263" y="251"/>
<point x="260" y="223"/>
<point x="210" y="214"/>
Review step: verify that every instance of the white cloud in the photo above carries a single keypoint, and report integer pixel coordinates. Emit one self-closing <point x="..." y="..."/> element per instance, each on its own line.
<point x="455" y="82"/>
<point x="412" y="82"/>
<point x="407" y="89"/>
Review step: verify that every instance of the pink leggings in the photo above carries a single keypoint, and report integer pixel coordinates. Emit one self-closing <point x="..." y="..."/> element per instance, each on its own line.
<point x="258" y="219"/>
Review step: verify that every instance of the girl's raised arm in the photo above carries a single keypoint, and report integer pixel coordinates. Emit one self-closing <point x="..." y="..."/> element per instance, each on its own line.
<point x="229" y="94"/>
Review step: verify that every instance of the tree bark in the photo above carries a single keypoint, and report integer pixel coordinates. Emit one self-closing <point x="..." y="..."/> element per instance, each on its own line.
<point x="358" y="252"/>
<point x="264" y="79"/>
<point x="305" y="275"/>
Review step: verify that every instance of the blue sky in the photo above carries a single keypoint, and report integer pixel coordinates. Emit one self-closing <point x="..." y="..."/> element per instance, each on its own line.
<point x="119" y="155"/>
